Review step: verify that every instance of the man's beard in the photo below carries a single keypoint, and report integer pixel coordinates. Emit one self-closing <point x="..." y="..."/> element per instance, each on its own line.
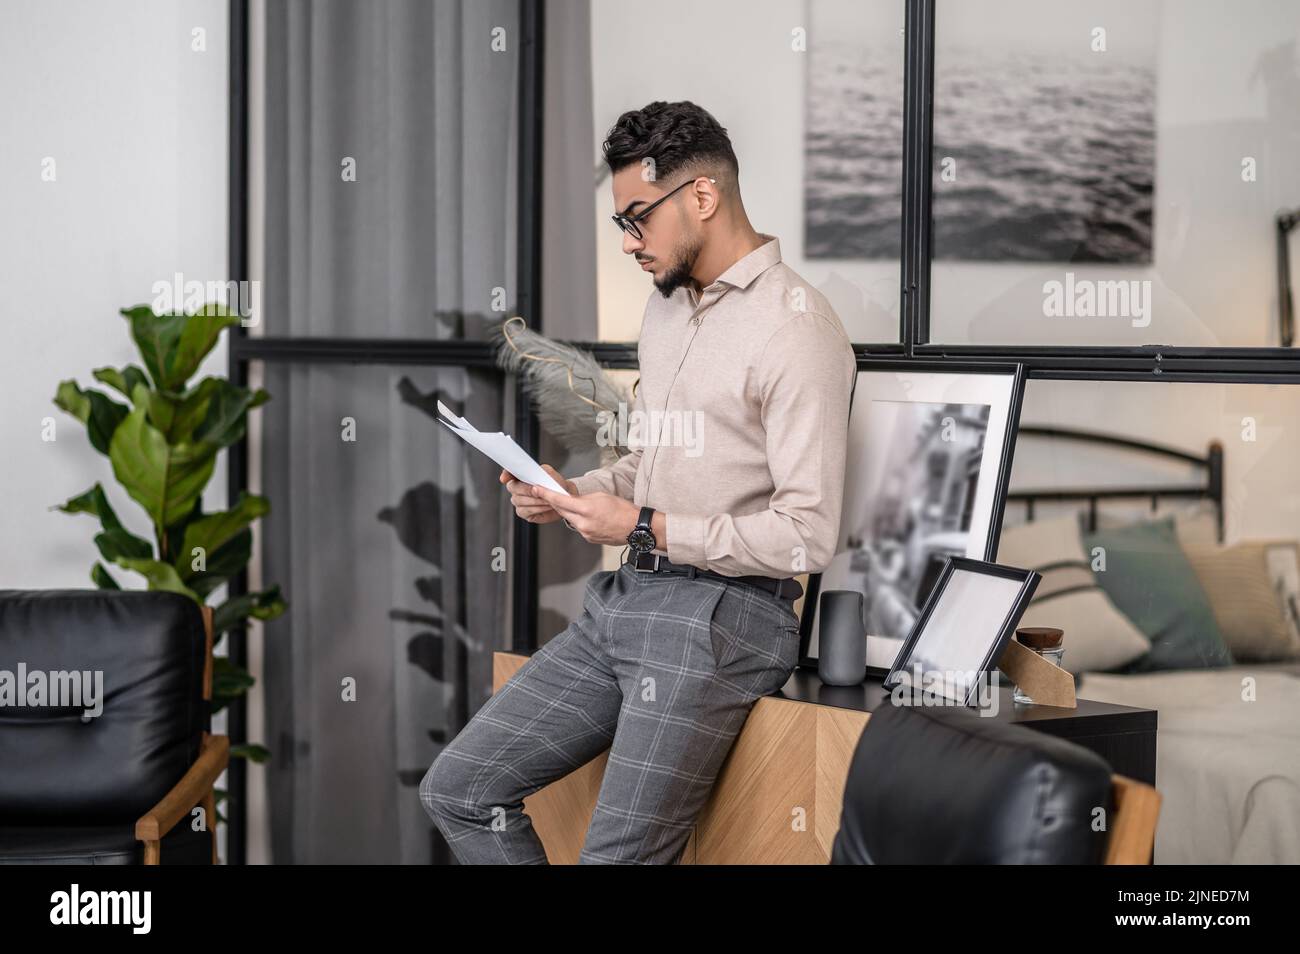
<point x="680" y="272"/>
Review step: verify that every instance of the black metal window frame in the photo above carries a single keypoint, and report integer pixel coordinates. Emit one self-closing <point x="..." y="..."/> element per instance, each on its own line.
<point x="1155" y="363"/>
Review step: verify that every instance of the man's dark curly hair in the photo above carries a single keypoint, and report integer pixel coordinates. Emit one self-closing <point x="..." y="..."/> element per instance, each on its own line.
<point x="679" y="137"/>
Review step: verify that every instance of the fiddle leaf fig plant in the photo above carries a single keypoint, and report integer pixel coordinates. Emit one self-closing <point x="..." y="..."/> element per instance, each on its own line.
<point x="162" y="435"/>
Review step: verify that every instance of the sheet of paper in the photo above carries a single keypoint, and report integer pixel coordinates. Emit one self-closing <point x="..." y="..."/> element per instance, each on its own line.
<point x="501" y="448"/>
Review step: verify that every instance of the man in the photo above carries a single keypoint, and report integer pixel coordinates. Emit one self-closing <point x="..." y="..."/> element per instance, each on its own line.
<point x="750" y="372"/>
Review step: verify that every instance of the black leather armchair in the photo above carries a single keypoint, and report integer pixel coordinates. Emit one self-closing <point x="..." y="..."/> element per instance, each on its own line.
<point x="940" y="785"/>
<point x="119" y="787"/>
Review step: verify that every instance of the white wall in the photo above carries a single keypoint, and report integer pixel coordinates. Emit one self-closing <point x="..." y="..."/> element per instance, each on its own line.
<point x="136" y="124"/>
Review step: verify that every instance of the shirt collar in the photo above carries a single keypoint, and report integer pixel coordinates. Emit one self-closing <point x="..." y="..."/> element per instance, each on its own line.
<point x="749" y="267"/>
<point x="744" y="270"/>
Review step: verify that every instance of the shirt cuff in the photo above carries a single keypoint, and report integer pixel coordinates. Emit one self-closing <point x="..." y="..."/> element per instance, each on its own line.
<point x="686" y="539"/>
<point x="587" y="484"/>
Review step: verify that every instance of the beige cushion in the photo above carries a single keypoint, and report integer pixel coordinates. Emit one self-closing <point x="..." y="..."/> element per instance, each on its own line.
<point x="1283" y="559"/>
<point x="1098" y="637"/>
<point x="1246" y="606"/>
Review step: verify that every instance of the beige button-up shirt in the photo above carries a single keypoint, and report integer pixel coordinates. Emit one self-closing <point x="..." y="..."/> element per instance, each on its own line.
<point x="739" y="427"/>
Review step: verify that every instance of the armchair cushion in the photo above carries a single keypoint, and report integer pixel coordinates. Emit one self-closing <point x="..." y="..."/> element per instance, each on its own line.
<point x="114" y="767"/>
<point x="99" y="845"/>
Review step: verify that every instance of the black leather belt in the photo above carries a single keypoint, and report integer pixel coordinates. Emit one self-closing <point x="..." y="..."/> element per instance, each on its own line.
<point x="786" y="589"/>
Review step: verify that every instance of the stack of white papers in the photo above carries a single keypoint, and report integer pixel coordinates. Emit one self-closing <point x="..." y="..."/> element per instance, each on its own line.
<point x="502" y="449"/>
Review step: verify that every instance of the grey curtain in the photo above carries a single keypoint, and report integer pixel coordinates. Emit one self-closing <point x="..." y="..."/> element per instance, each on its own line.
<point x="392" y="542"/>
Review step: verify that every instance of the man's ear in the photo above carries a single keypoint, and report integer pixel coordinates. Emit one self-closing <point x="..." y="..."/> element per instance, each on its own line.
<point x="707" y="197"/>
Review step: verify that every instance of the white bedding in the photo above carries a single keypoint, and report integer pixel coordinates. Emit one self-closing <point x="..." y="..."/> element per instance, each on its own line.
<point x="1228" y="769"/>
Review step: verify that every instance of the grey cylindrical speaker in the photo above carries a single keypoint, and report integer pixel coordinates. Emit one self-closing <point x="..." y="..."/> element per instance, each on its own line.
<point x="841" y="638"/>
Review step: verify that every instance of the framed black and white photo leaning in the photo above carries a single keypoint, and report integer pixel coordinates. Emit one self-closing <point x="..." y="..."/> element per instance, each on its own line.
<point x="962" y="628"/>
<point x="929" y="458"/>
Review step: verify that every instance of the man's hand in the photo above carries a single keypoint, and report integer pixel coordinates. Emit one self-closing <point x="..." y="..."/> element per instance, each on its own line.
<point x="600" y="518"/>
<point x="526" y="504"/>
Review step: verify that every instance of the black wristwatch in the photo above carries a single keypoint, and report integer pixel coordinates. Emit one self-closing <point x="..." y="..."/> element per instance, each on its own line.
<point x="642" y="538"/>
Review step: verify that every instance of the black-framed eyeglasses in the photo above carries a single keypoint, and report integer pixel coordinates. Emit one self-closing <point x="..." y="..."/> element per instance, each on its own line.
<point x="628" y="223"/>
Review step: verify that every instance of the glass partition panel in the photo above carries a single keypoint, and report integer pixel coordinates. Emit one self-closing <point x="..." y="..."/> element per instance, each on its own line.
<point x="811" y="94"/>
<point x="1112" y="173"/>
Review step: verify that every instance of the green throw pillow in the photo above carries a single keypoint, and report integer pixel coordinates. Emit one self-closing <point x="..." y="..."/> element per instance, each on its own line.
<point x="1150" y="579"/>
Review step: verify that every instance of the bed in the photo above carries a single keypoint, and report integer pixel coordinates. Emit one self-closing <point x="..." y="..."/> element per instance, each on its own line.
<point x="1229" y="771"/>
<point x="1228" y="743"/>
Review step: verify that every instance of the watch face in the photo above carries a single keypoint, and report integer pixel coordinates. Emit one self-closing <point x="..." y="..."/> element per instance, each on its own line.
<point x="640" y="539"/>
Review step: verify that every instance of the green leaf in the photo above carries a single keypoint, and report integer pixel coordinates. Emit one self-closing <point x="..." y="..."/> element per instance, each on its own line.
<point x="123" y="381"/>
<point x="226" y="541"/>
<point x="72" y="399"/>
<point x="252" y="752"/>
<point x="94" y="502"/>
<point x="115" y="540"/>
<point x="229" y="559"/>
<point x="161" y="413"/>
<point x="214" y="411"/>
<point x="192" y="408"/>
<point x="175" y="534"/>
<point x="122" y="543"/>
<point x="165" y="480"/>
<point x="267" y="604"/>
<point x="228" y="414"/>
<point x="229" y="682"/>
<point x="161" y="576"/>
<point x="202" y="329"/>
<point x="157" y="337"/>
<point x="173" y="346"/>
<point x="141" y="395"/>
<point x="99" y="576"/>
<point x="210" y="532"/>
<point x="100" y="413"/>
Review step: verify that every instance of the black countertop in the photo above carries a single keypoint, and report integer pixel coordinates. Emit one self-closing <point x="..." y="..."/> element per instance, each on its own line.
<point x="1090" y="717"/>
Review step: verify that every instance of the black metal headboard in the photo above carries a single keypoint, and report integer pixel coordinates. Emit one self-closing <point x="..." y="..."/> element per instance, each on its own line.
<point x="1211" y="466"/>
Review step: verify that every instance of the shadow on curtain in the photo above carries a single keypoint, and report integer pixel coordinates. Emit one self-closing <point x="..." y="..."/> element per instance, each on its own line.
<point x="390" y="151"/>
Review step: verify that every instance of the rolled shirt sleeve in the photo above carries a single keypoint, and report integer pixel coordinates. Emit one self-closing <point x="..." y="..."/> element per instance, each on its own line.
<point x="806" y="375"/>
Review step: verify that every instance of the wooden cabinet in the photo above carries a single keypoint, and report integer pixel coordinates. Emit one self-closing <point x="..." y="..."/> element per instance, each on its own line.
<point x="776" y="800"/>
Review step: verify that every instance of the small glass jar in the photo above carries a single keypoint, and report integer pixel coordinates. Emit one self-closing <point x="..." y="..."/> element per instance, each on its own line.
<point x="1048" y="642"/>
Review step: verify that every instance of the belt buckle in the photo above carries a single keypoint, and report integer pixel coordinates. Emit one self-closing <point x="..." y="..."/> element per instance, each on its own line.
<point x="636" y="564"/>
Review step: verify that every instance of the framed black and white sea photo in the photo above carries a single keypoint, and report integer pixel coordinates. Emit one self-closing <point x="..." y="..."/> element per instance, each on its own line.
<point x="1044" y="131"/>
<point x="929" y="459"/>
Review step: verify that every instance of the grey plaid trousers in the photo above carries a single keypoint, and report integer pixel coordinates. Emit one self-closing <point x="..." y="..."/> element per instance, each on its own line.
<point x="660" y="669"/>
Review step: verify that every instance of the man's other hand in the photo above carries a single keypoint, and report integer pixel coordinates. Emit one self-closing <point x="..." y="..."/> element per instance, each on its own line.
<point x="527" y="504"/>
<point x="598" y="517"/>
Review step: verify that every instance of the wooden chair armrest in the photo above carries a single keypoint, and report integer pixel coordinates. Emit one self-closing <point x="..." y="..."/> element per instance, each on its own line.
<point x="188" y="792"/>
<point x="1133" y="825"/>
